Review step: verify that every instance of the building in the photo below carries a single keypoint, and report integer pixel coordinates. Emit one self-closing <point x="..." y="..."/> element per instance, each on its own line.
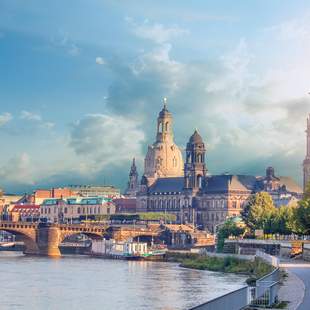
<point x="39" y="195"/>
<point x="7" y="201"/>
<point x="133" y="182"/>
<point x="193" y="195"/>
<point x="25" y="213"/>
<point x="98" y="190"/>
<point x="125" y="205"/>
<point x="306" y="162"/>
<point x="75" y="209"/>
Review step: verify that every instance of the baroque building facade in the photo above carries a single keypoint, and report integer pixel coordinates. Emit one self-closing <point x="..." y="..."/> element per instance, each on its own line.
<point x="189" y="192"/>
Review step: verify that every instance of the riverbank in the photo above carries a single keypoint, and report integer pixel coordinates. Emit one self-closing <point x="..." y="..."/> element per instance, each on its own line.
<point x="254" y="269"/>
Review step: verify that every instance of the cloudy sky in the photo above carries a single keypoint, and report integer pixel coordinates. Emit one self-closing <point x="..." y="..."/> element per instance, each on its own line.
<point x="81" y="83"/>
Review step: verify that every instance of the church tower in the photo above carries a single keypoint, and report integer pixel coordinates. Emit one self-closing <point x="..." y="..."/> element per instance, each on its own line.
<point x="164" y="125"/>
<point x="306" y="162"/>
<point x="163" y="158"/>
<point x="133" y="183"/>
<point x="195" y="167"/>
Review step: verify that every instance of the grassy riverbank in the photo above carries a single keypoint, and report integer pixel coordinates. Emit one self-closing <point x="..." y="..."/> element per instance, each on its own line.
<point x="254" y="269"/>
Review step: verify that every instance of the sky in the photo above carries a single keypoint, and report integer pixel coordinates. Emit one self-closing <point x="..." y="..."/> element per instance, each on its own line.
<point x="82" y="82"/>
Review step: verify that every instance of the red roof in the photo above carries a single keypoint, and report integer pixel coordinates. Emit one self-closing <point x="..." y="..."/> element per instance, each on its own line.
<point x="26" y="208"/>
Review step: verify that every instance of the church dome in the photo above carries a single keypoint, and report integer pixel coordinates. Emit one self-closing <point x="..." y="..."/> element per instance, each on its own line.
<point x="163" y="158"/>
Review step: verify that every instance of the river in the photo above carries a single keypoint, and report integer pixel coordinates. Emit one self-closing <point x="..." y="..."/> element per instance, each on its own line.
<point x="79" y="282"/>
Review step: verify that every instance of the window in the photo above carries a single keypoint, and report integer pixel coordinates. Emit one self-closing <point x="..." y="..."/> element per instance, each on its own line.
<point x="66" y="210"/>
<point x="234" y="204"/>
<point x="199" y="181"/>
<point x="78" y="210"/>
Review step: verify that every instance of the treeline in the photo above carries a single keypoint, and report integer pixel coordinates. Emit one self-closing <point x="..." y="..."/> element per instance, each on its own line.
<point x="260" y="213"/>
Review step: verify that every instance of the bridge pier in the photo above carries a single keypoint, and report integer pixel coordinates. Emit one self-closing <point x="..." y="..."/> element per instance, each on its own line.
<point x="48" y="241"/>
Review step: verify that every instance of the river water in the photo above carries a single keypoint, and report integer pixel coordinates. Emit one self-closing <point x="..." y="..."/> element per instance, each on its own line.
<point x="78" y="282"/>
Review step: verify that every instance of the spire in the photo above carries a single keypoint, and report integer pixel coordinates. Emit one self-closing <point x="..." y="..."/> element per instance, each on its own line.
<point x="133" y="182"/>
<point x="133" y="169"/>
<point x="165" y="103"/>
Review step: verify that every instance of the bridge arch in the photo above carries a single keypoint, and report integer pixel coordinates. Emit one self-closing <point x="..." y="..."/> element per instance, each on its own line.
<point x="24" y="234"/>
<point x="90" y="235"/>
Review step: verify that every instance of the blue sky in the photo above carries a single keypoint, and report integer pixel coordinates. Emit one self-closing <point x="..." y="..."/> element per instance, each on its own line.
<point x="81" y="83"/>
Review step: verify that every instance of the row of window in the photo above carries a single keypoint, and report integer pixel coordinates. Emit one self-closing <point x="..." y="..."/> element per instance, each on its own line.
<point x="221" y="204"/>
<point x="80" y="210"/>
<point x="169" y="203"/>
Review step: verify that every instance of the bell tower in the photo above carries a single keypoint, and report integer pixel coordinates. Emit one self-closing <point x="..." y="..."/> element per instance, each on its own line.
<point x="133" y="182"/>
<point x="195" y="167"/>
<point x="306" y="162"/>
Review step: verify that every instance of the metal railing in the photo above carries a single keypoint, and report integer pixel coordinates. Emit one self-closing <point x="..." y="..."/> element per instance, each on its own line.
<point x="270" y="259"/>
<point x="232" y="301"/>
<point x="265" y="293"/>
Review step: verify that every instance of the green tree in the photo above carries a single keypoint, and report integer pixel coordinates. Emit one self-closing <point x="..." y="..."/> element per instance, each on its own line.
<point x="302" y="217"/>
<point x="260" y="213"/>
<point x="306" y="194"/>
<point x="284" y="220"/>
<point x="229" y="228"/>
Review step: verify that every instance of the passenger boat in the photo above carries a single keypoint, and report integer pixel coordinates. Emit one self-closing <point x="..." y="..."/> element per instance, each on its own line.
<point x="7" y="244"/>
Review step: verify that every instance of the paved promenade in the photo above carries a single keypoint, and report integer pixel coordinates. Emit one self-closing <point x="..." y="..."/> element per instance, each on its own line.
<point x="296" y="289"/>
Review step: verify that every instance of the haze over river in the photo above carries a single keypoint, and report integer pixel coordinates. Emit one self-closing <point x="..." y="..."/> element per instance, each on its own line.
<point x="76" y="282"/>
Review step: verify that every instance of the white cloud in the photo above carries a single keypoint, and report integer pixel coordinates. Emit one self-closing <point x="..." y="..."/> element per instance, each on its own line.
<point x="100" y="61"/>
<point x="101" y="140"/>
<point x="235" y="103"/>
<point x="36" y="120"/>
<point x="157" y="33"/>
<point x="5" y="118"/>
<point x="18" y="170"/>
<point x="26" y="115"/>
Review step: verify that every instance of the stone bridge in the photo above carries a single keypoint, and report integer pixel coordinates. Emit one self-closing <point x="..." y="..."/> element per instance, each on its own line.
<point x="45" y="239"/>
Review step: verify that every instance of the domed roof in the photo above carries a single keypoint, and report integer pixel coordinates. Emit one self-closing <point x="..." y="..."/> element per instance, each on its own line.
<point x="195" y="138"/>
<point x="163" y="160"/>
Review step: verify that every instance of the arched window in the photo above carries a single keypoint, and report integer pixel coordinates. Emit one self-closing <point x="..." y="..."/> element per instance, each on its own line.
<point x="199" y="181"/>
<point x="160" y="127"/>
<point x="167" y="126"/>
<point x="188" y="157"/>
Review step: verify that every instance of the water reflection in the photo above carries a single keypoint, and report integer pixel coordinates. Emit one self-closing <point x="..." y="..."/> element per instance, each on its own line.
<point x="89" y="283"/>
